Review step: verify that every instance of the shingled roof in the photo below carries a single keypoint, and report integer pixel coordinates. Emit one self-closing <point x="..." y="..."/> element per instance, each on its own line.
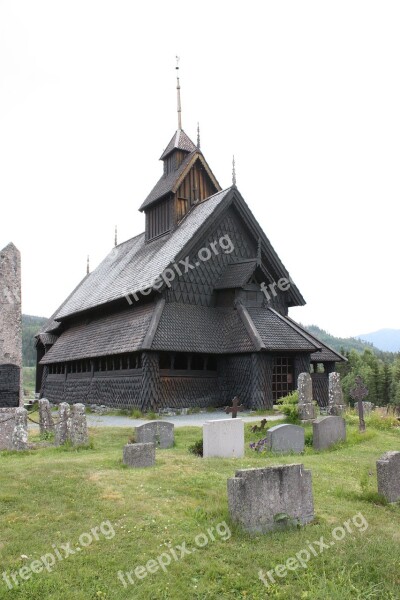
<point x="236" y="274"/>
<point x="179" y="141"/>
<point x="134" y="265"/>
<point x="117" y="333"/>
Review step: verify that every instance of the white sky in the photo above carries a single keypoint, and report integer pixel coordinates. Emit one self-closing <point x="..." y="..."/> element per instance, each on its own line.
<point x="305" y="94"/>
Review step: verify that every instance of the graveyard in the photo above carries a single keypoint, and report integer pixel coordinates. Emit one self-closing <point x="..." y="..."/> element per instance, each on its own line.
<point x="69" y="490"/>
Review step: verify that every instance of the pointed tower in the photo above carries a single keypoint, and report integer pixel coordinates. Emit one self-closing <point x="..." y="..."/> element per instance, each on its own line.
<point x="187" y="180"/>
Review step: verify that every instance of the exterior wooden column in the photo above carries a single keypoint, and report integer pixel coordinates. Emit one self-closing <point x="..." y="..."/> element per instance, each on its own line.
<point x="261" y="381"/>
<point x="301" y="365"/>
<point x="150" y="392"/>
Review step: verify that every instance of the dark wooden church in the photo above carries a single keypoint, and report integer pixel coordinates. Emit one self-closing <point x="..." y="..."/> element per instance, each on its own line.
<point x="192" y="312"/>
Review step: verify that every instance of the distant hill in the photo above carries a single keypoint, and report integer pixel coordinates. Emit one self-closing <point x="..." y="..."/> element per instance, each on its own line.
<point x="30" y="327"/>
<point x="387" y="340"/>
<point x="340" y="344"/>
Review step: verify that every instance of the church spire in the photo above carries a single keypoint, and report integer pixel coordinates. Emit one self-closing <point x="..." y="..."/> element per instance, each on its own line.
<point x="178" y="91"/>
<point x="198" y="136"/>
<point x="116" y="236"/>
<point x="233" y="171"/>
<point x="87" y="266"/>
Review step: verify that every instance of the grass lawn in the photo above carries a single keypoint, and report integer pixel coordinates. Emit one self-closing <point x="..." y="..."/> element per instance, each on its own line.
<point x="49" y="497"/>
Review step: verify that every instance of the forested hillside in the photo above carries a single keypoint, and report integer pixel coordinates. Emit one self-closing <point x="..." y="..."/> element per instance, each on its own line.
<point x="30" y="327"/>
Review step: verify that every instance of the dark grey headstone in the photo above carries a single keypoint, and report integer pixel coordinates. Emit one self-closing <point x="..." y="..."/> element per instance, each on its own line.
<point x="388" y="471"/>
<point x="285" y="438"/>
<point x="328" y="431"/>
<point x="262" y="500"/>
<point x="139" y="455"/>
<point x="160" y="433"/>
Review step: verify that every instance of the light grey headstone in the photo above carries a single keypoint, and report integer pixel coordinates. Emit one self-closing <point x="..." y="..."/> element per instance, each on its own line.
<point x="79" y="433"/>
<point x="305" y="404"/>
<point x="160" y="433"/>
<point x="20" y="433"/>
<point x="262" y="500"/>
<point x="328" y="431"/>
<point x="223" y="438"/>
<point x="139" y="455"/>
<point x="285" y="438"/>
<point x="45" y="417"/>
<point x="388" y="471"/>
<point x="62" y="429"/>
<point x="336" y="406"/>
<point x="7" y="422"/>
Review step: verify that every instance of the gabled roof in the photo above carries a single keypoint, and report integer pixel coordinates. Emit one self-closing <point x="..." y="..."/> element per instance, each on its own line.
<point x="179" y="141"/>
<point x="170" y="182"/>
<point x="52" y="325"/>
<point x="134" y="265"/>
<point x="236" y="275"/>
<point x="327" y="354"/>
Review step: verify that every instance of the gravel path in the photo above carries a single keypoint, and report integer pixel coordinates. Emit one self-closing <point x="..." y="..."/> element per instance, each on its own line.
<point x="196" y="420"/>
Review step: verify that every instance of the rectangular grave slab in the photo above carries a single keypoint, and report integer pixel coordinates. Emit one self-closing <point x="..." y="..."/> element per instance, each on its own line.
<point x="285" y="438"/>
<point x="328" y="431"/>
<point x="388" y="471"/>
<point x="262" y="500"/>
<point x="139" y="455"/>
<point x="160" y="433"/>
<point x="223" y="438"/>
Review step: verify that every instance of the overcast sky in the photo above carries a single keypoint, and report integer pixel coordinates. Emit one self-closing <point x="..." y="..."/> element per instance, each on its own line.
<point x="305" y="94"/>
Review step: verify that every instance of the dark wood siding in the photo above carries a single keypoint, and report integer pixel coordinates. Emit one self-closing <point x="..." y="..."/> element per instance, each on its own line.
<point x="158" y="219"/>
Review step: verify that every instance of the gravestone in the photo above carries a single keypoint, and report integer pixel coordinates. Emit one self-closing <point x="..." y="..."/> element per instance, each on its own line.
<point x="336" y="405"/>
<point x="10" y="328"/>
<point x="7" y="423"/>
<point x="46" y="423"/>
<point x="62" y="429"/>
<point x="10" y="343"/>
<point x="285" y="438"/>
<point x="223" y="438"/>
<point x="262" y="500"/>
<point x="388" y="471"/>
<point x="306" y="406"/>
<point x="78" y="426"/>
<point x="235" y="408"/>
<point x="328" y="431"/>
<point x="139" y="455"/>
<point x="20" y="433"/>
<point x="368" y="407"/>
<point x="160" y="433"/>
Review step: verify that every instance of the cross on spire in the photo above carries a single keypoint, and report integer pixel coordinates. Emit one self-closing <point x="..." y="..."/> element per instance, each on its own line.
<point x="87" y="265"/>
<point x="233" y="171"/>
<point x="198" y="136"/>
<point x="178" y="93"/>
<point x="116" y="236"/>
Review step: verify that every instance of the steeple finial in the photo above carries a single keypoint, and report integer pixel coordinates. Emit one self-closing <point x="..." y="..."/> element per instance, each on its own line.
<point x="178" y="90"/>
<point x="198" y="136"/>
<point x="233" y="171"/>
<point x="116" y="236"/>
<point x="259" y="252"/>
<point x="87" y="266"/>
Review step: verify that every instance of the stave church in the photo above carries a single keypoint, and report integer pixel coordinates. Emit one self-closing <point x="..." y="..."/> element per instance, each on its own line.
<point x="190" y="313"/>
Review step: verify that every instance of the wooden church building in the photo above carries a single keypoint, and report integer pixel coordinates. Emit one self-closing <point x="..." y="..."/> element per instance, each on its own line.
<point x="192" y="312"/>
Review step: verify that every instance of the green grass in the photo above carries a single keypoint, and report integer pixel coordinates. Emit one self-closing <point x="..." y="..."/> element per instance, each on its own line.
<point x="53" y="495"/>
